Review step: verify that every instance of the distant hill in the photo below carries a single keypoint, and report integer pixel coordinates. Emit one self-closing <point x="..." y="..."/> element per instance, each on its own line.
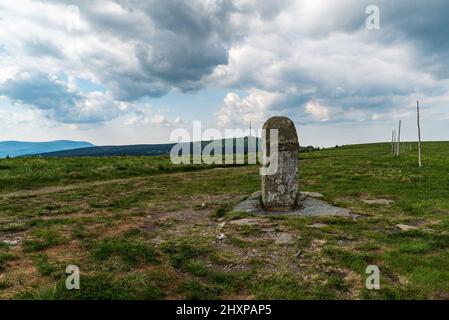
<point x="108" y="151"/>
<point x="129" y="150"/>
<point x="20" y="148"/>
<point x="140" y="149"/>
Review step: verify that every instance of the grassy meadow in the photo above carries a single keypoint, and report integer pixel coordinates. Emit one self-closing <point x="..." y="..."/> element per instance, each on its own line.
<point x="137" y="228"/>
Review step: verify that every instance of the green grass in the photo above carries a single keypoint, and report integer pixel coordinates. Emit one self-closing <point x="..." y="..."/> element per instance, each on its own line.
<point x="148" y="236"/>
<point x="44" y="238"/>
<point x="131" y="252"/>
<point x="33" y="172"/>
<point x="101" y="286"/>
<point x="44" y="267"/>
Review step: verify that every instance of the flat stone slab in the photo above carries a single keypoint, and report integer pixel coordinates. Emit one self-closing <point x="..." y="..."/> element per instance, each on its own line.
<point x="312" y="194"/>
<point x="11" y="242"/>
<point x="378" y="201"/>
<point x="250" y="204"/>
<point x="284" y="239"/>
<point x="406" y="227"/>
<point x="317" y="225"/>
<point x="246" y="221"/>
<point x="307" y="207"/>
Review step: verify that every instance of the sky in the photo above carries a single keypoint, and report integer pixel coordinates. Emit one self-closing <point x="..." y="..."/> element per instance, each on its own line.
<point x="130" y="71"/>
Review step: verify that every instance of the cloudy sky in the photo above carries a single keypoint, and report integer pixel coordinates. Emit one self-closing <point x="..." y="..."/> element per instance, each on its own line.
<point x="131" y="71"/>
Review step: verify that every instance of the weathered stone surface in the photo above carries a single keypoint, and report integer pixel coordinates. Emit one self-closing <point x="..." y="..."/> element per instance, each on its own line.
<point x="306" y="206"/>
<point x="405" y="227"/>
<point x="280" y="189"/>
<point x="11" y="242"/>
<point x="250" y="204"/>
<point x="379" y="201"/>
<point x="284" y="239"/>
<point x="315" y="207"/>
<point x="317" y="225"/>
<point x="247" y="222"/>
<point x="312" y="194"/>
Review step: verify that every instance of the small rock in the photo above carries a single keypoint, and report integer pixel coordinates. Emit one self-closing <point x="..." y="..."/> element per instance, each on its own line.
<point x="203" y="206"/>
<point x="403" y="280"/>
<point x="317" y="225"/>
<point x="11" y="242"/>
<point x="405" y="227"/>
<point x="284" y="239"/>
<point x="221" y="225"/>
<point x="379" y="201"/>
<point x="313" y="194"/>
<point x="221" y="236"/>
<point x="247" y="222"/>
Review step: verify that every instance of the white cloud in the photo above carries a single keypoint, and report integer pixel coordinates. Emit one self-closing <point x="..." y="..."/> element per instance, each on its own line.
<point x="162" y="120"/>
<point x="317" y="111"/>
<point x="240" y="111"/>
<point x="312" y="60"/>
<point x="142" y="115"/>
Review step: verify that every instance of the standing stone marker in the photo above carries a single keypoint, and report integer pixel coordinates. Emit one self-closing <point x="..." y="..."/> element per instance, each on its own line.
<point x="280" y="188"/>
<point x="279" y="173"/>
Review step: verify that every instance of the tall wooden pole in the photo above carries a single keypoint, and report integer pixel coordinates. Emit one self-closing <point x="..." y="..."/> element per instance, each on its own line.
<point x="419" y="135"/>
<point x="398" y="147"/>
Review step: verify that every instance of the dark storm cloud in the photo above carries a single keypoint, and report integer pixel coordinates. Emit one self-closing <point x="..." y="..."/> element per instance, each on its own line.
<point x="38" y="90"/>
<point x="55" y="99"/>
<point x="138" y="49"/>
<point x="425" y="26"/>
<point x="177" y="59"/>
<point x="374" y="71"/>
<point x="176" y="43"/>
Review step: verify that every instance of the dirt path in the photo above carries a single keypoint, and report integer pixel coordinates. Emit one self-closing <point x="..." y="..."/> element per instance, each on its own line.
<point x="53" y="189"/>
<point x="75" y="186"/>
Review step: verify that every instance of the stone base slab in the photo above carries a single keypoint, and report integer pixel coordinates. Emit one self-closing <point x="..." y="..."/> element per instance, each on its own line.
<point x="308" y="206"/>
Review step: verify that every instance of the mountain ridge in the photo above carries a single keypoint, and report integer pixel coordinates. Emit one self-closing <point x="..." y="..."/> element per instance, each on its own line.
<point x="15" y="148"/>
<point x="141" y="149"/>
